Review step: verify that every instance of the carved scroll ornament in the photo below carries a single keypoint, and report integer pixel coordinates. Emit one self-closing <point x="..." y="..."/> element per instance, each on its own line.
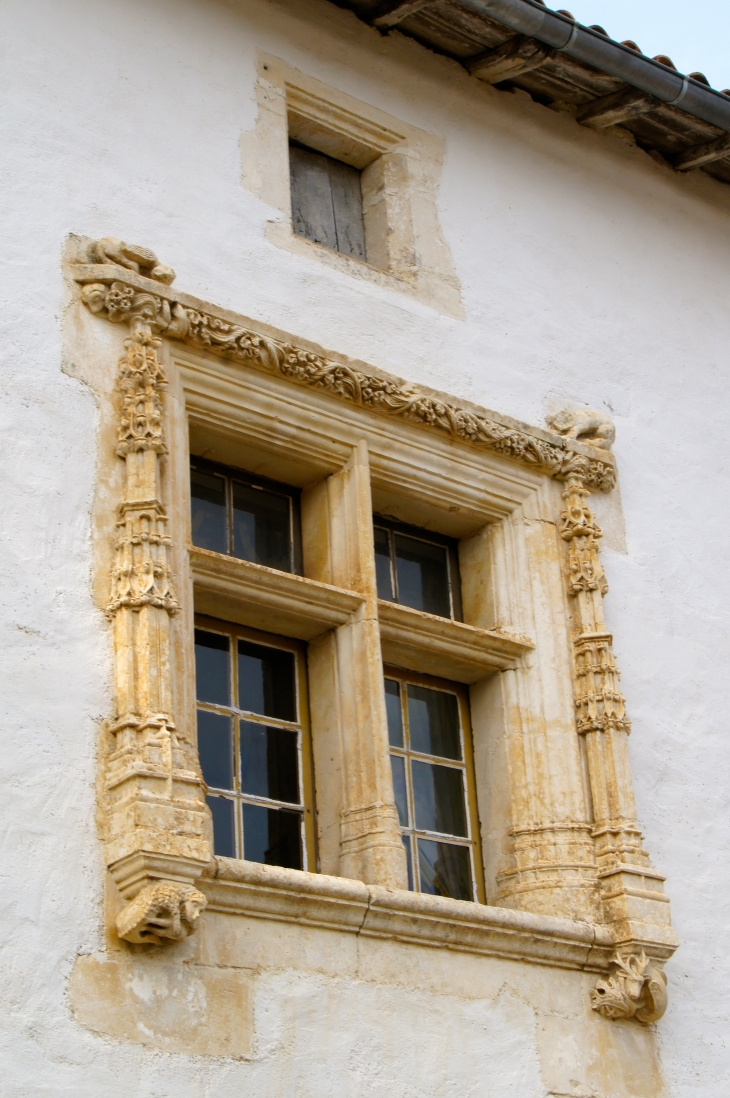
<point x="636" y="989"/>
<point x="120" y="302"/>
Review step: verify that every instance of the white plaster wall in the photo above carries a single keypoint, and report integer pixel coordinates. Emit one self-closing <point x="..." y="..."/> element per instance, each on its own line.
<point x="589" y="273"/>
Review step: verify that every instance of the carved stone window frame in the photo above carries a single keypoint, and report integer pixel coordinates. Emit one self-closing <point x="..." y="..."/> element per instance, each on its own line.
<point x="566" y="873"/>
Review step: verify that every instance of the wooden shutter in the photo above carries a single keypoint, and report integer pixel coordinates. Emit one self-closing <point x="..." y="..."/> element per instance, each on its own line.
<point x="326" y="201"/>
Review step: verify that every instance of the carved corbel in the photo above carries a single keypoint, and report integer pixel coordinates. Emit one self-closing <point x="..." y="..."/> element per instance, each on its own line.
<point x="162" y="912"/>
<point x="636" y="989"/>
<point x="156" y="842"/>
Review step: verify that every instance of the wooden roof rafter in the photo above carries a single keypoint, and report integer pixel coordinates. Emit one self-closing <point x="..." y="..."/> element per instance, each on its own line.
<point x="569" y="67"/>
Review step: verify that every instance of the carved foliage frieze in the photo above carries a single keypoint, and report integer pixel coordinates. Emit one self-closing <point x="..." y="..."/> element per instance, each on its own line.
<point x="118" y="301"/>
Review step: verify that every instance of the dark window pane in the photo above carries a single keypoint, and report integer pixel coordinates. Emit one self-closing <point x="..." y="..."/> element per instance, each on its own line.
<point x="398" y="766"/>
<point x="269" y="762"/>
<point x="215" y="747"/>
<point x="433" y="722"/>
<point x="224" y="838"/>
<point x="262" y="527"/>
<point x="383" y="573"/>
<point x="272" y="836"/>
<point x="409" y="861"/>
<point x="394" y="711"/>
<point x="266" y="681"/>
<point x="423" y="576"/>
<point x="212" y="673"/>
<point x="445" y="870"/>
<point x="438" y="798"/>
<point x="209" y="528"/>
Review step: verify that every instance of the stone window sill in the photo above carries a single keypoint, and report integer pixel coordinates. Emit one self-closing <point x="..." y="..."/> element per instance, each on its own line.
<point x="336" y="903"/>
<point x="443" y="647"/>
<point x="251" y="594"/>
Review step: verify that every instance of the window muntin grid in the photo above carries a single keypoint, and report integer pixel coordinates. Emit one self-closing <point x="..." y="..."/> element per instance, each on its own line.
<point x="253" y="743"/>
<point x="244" y="516"/>
<point x="415" y="568"/>
<point x="433" y="782"/>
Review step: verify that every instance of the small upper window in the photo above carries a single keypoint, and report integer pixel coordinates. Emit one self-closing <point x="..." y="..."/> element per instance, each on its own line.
<point x="326" y="201"/>
<point x="246" y="517"/>
<point x="416" y="568"/>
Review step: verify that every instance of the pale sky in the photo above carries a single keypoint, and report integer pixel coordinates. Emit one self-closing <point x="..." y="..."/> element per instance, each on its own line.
<point x="694" y="33"/>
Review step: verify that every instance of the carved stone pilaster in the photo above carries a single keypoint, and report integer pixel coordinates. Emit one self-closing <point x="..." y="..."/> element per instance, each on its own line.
<point x="156" y="815"/>
<point x="637" y="988"/>
<point x="632" y="892"/>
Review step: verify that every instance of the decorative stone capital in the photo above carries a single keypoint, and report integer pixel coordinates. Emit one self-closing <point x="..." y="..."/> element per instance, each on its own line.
<point x="162" y="911"/>
<point x="636" y="989"/>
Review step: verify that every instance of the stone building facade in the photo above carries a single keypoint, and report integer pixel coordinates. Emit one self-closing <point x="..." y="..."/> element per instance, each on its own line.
<point x="359" y="361"/>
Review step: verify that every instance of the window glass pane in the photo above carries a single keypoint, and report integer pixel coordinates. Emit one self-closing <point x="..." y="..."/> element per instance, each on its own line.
<point x="445" y="870"/>
<point x="398" y="766"/>
<point x="266" y="681"/>
<point x="215" y="747"/>
<point x="409" y="861"/>
<point x="212" y="673"/>
<point x="269" y="762"/>
<point x="423" y="575"/>
<point x="382" y="563"/>
<point x="224" y="838"/>
<point x="272" y="836"/>
<point x="208" y="503"/>
<point x="433" y="722"/>
<point x="394" y="711"/>
<point x="438" y="797"/>
<point x="262" y="527"/>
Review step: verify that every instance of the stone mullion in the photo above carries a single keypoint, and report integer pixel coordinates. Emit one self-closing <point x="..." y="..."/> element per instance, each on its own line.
<point x="371" y="848"/>
<point x="632" y="893"/>
<point x="337" y="515"/>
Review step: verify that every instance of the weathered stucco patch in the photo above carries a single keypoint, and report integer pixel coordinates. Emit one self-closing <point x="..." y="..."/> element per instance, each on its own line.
<point x="162" y="1003"/>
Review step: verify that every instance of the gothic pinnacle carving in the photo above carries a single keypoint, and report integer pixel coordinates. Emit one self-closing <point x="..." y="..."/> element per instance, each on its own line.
<point x="636" y="989"/>
<point x="599" y="704"/>
<point x="579" y="528"/>
<point x="156" y="814"/>
<point x="632" y="895"/>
